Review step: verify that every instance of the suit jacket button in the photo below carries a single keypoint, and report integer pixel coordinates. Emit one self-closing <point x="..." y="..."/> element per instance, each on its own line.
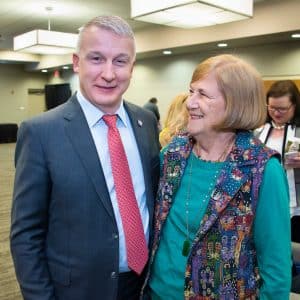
<point x="115" y="236"/>
<point x="113" y="275"/>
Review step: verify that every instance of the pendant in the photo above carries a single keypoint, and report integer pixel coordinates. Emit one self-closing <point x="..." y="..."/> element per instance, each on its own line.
<point x="186" y="247"/>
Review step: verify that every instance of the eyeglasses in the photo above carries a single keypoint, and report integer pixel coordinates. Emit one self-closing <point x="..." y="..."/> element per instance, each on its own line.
<point x="281" y="110"/>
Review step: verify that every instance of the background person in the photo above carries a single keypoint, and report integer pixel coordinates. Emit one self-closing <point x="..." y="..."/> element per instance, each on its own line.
<point x="219" y="187"/>
<point x="283" y="121"/>
<point x="151" y="105"/>
<point x="176" y="119"/>
<point x="68" y="237"/>
<point x="282" y="126"/>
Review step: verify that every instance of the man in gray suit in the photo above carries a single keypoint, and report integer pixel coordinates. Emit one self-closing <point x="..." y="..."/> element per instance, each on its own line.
<point x="67" y="237"/>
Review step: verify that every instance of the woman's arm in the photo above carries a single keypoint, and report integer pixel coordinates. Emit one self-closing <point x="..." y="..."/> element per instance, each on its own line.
<point x="272" y="233"/>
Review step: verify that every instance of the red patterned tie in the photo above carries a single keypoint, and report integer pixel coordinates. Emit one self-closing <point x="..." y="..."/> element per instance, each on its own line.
<point x="137" y="251"/>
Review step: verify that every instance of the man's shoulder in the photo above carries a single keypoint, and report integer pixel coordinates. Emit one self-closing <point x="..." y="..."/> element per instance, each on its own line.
<point x="149" y="105"/>
<point x="132" y="105"/>
<point x="137" y="109"/>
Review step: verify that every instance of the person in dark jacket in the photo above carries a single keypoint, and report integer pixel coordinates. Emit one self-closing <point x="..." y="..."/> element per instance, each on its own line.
<point x="68" y="239"/>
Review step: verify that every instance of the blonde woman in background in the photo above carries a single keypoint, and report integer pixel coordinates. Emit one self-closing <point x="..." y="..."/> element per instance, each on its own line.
<point x="176" y="119"/>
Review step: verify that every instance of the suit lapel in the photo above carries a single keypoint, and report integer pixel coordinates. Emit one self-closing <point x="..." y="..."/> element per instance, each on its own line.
<point x="137" y="123"/>
<point x="80" y="136"/>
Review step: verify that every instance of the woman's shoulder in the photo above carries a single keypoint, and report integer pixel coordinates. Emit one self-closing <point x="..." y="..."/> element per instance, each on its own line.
<point x="180" y="145"/>
<point x="248" y="142"/>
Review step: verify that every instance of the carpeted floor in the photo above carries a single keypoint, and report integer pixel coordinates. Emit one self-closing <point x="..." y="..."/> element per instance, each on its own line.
<point x="9" y="289"/>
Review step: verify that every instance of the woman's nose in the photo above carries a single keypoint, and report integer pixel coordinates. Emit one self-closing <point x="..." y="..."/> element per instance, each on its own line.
<point x="192" y="102"/>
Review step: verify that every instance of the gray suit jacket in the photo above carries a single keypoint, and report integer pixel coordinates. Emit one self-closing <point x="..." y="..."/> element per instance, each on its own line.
<point x="64" y="237"/>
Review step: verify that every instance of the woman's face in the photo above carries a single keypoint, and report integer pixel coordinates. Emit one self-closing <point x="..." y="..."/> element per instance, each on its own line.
<point x="281" y="109"/>
<point x="206" y="106"/>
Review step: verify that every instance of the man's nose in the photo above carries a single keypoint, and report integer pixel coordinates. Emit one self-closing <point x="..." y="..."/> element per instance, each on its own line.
<point x="108" y="72"/>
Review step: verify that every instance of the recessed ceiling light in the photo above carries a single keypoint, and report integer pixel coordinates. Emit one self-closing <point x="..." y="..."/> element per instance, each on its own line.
<point x="295" y="35"/>
<point x="167" y="52"/>
<point x="222" y="45"/>
<point x="44" y="71"/>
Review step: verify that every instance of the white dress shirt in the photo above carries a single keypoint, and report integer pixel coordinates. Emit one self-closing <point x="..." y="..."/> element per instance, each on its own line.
<point x="98" y="130"/>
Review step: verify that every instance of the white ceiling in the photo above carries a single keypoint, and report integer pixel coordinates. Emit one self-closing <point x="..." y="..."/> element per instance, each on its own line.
<point x="19" y="16"/>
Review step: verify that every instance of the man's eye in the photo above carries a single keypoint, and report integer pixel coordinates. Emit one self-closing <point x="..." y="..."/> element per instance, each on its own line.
<point x="95" y="58"/>
<point x="121" y="62"/>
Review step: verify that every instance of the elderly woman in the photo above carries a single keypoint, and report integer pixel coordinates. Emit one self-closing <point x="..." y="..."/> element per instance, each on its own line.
<point x="222" y="213"/>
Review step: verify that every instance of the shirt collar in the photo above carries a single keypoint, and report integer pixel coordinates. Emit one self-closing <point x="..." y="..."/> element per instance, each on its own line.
<point x="93" y="114"/>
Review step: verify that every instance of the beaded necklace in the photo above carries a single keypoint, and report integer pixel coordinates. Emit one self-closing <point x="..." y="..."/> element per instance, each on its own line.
<point x="187" y="244"/>
<point x="279" y="127"/>
<point x="223" y="154"/>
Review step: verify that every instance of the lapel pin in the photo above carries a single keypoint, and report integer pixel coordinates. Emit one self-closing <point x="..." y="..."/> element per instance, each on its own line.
<point x="140" y="123"/>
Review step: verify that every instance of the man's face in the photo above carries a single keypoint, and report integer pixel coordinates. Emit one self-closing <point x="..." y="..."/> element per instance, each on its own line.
<point x="104" y="65"/>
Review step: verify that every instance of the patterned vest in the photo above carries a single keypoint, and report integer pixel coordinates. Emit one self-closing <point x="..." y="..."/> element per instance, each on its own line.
<point x="222" y="261"/>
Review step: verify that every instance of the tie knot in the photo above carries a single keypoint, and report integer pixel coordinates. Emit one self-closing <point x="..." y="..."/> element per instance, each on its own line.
<point x="110" y="120"/>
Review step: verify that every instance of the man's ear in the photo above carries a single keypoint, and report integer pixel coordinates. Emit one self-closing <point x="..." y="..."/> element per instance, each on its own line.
<point x="75" y="59"/>
<point x="131" y="70"/>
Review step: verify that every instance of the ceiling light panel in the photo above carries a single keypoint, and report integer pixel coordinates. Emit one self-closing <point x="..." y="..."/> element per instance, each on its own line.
<point x="189" y="14"/>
